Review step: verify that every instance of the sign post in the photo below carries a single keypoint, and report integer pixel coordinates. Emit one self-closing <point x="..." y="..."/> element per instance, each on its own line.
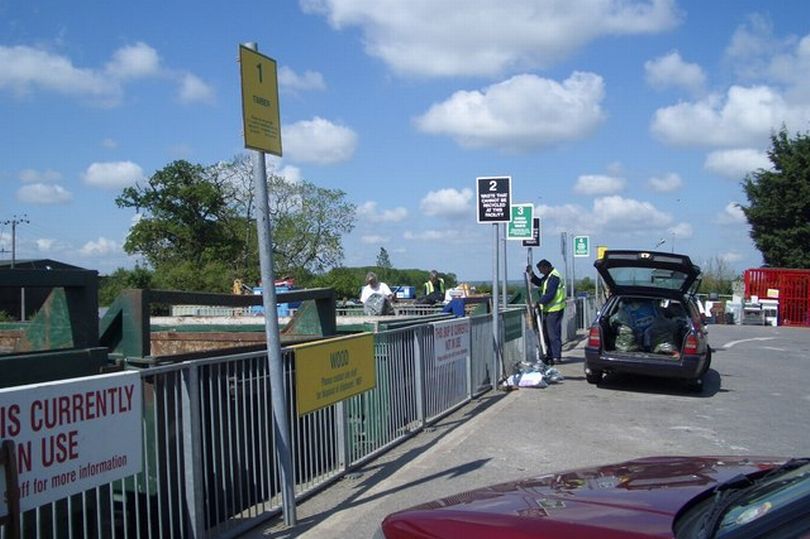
<point x="494" y="195"/>
<point x="263" y="134"/>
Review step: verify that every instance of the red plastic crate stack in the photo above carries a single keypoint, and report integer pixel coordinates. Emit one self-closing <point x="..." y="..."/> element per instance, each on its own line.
<point x="794" y="292"/>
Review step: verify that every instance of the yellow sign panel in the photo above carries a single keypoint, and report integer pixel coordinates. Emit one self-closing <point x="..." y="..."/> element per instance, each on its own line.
<point x="600" y="251"/>
<point x="330" y="371"/>
<point x="260" y="110"/>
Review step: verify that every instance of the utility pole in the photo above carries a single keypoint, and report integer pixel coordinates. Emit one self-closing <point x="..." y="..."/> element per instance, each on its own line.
<point x="14" y="221"/>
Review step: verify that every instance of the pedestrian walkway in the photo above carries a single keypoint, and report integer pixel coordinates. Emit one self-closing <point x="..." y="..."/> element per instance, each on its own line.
<point x="492" y="439"/>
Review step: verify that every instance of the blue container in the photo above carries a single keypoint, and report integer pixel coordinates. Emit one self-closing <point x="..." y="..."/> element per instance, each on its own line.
<point x="405" y="292"/>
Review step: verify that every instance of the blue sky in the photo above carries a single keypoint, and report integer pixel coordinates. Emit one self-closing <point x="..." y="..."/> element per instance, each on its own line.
<point x="629" y="121"/>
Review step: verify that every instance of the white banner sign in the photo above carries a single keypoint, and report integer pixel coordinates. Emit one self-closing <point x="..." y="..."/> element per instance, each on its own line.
<point x="451" y="340"/>
<point x="72" y="435"/>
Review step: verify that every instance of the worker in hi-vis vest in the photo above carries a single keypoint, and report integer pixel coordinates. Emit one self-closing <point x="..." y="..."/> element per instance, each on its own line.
<point x="552" y="305"/>
<point x="433" y="289"/>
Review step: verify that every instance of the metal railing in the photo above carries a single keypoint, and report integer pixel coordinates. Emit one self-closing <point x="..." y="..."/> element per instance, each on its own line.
<point x="209" y="465"/>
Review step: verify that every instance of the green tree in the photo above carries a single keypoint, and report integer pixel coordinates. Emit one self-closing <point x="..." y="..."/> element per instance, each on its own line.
<point x="112" y="285"/>
<point x="198" y="225"/>
<point x="383" y="260"/>
<point x="716" y="276"/>
<point x="779" y="203"/>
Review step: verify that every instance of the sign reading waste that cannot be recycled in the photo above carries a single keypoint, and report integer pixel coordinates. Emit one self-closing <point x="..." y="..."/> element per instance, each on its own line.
<point x="494" y="199"/>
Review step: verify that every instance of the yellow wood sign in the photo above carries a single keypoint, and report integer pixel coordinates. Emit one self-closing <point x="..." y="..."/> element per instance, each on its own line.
<point x="260" y="110"/>
<point x="600" y="251"/>
<point x="330" y="371"/>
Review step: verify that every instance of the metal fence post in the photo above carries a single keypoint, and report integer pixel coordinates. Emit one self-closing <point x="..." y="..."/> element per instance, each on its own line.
<point x="342" y="434"/>
<point x="192" y="459"/>
<point x="419" y="372"/>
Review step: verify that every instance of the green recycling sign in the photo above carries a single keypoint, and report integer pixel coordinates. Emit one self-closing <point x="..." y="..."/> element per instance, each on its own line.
<point x="582" y="246"/>
<point x="520" y="224"/>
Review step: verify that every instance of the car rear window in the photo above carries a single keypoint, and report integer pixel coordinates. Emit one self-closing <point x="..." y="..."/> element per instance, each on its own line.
<point x="648" y="277"/>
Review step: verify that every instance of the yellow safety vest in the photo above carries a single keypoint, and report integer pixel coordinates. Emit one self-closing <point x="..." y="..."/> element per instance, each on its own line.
<point x="429" y="286"/>
<point x="558" y="303"/>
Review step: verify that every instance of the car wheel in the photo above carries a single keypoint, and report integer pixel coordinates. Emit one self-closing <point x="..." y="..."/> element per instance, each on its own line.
<point x="695" y="385"/>
<point x="593" y="376"/>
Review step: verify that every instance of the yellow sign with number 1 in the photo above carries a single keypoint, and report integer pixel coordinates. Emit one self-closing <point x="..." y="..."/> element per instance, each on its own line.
<point x="260" y="110"/>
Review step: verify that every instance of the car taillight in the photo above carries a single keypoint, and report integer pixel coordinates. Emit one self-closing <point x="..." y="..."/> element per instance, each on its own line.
<point x="594" y="337"/>
<point x="690" y="345"/>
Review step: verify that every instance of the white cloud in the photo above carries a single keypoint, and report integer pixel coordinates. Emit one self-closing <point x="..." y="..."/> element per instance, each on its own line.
<point x="134" y="62"/>
<point x="113" y="175"/>
<point x="665" y="184"/>
<point x="597" y="184"/>
<point x="523" y="113"/>
<point x="481" y="37"/>
<point x="431" y="235"/>
<point x="109" y="143"/>
<point x="41" y="193"/>
<point x="291" y="173"/>
<point x="735" y="164"/>
<point x="447" y="203"/>
<point x="681" y="231"/>
<point x="368" y="210"/>
<point x="44" y="245"/>
<point x="319" y="141"/>
<point x="374" y="240"/>
<point x="745" y="116"/>
<point x="616" y="212"/>
<point x="607" y="214"/>
<point x="291" y="81"/>
<point x="102" y="246"/>
<point x="731" y="256"/>
<point x="194" y="90"/>
<point x="670" y="71"/>
<point x="30" y="175"/>
<point x="24" y="69"/>
<point x="732" y="215"/>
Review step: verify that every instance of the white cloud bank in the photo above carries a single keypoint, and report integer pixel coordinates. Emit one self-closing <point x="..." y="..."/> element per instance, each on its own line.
<point x="523" y="113"/>
<point x="368" y="210"/>
<point x="735" y="164"/>
<point x="666" y="183"/>
<point x="113" y="175"/>
<point x="319" y="141"/>
<point x="670" y="71"/>
<point x="289" y="80"/>
<point x="42" y="193"/>
<point x="25" y="69"/>
<point x="481" y="37"/>
<point x="449" y="203"/>
<point x="597" y="184"/>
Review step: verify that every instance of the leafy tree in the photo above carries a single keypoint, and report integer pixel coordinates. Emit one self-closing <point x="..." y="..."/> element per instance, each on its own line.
<point x="717" y="276"/>
<point x="112" y="285"/>
<point x="308" y="221"/>
<point x="383" y="260"/>
<point x="198" y="228"/>
<point x="779" y="203"/>
<point x="586" y="284"/>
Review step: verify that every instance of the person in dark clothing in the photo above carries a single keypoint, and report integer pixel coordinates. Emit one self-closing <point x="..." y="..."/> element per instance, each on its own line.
<point x="433" y="290"/>
<point x="552" y="305"/>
